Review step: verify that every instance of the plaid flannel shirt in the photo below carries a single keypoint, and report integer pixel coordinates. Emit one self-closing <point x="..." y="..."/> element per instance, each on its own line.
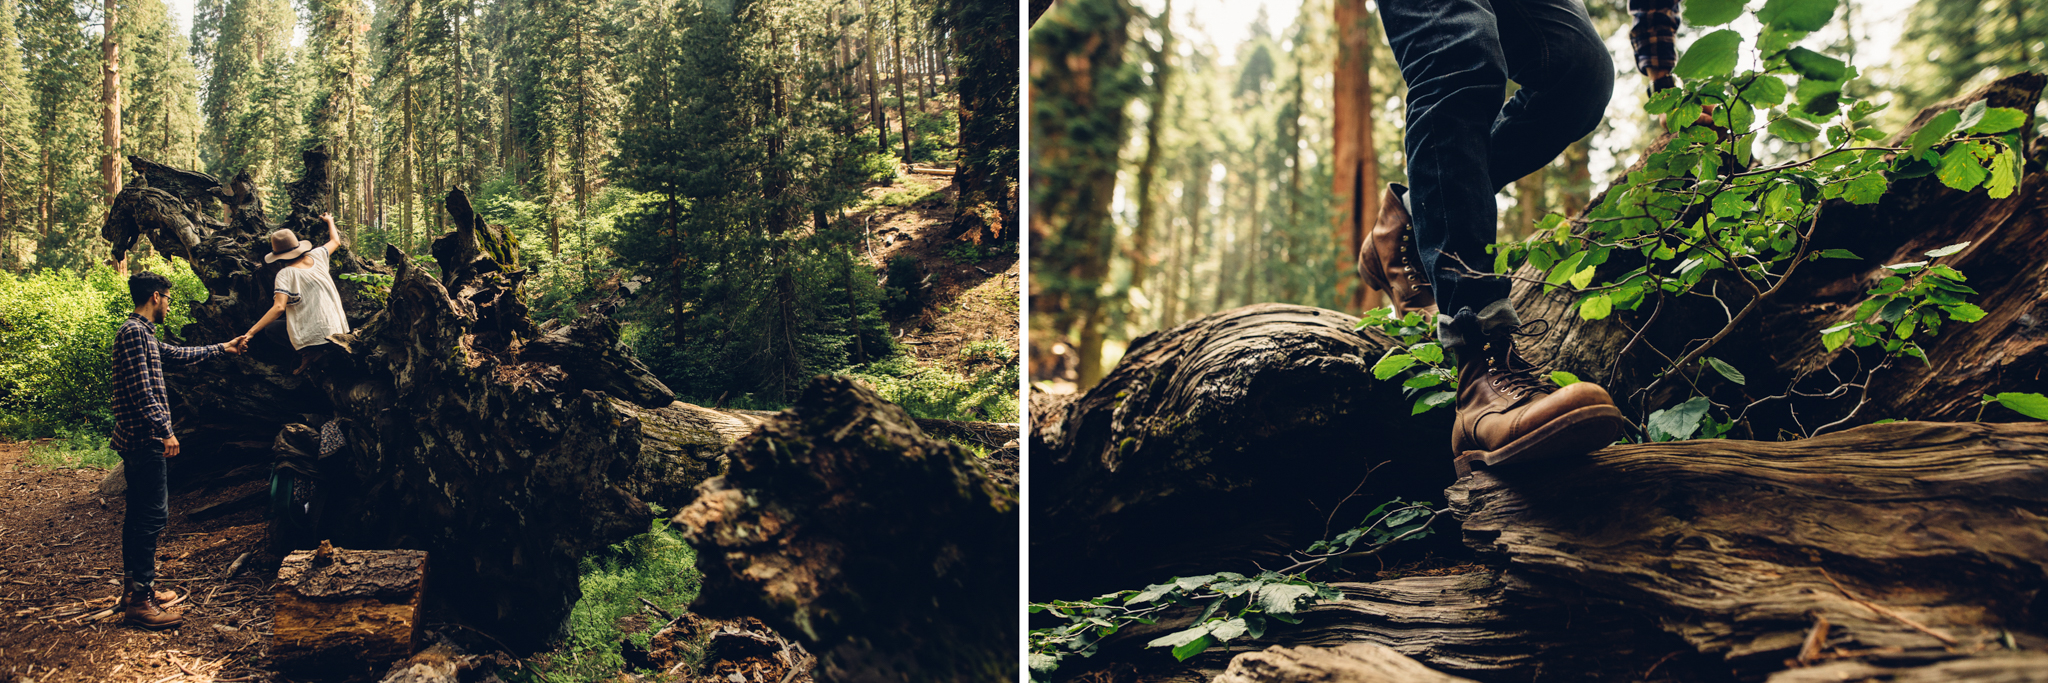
<point x="142" y="408"/>
<point x="1654" y="36"/>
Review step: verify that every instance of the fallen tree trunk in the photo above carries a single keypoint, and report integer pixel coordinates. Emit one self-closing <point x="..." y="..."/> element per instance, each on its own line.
<point x="1228" y="441"/>
<point x="1905" y="545"/>
<point x="891" y="555"/>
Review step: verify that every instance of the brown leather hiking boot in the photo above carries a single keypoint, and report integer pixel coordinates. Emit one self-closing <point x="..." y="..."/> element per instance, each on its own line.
<point x="1389" y="260"/>
<point x="142" y="609"/>
<point x="1509" y="414"/>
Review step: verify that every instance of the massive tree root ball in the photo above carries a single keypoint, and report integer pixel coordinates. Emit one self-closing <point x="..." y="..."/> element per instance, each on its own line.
<point x="507" y="448"/>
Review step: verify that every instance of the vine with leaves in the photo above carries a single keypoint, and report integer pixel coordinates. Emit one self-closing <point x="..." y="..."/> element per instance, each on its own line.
<point x="1701" y="218"/>
<point x="1232" y="605"/>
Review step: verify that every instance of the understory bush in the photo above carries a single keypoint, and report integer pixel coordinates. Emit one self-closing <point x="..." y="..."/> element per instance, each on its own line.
<point x="56" y="332"/>
<point x="937" y="393"/>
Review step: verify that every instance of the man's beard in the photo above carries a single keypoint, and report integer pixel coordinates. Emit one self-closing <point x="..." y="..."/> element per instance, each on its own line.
<point x="156" y="317"/>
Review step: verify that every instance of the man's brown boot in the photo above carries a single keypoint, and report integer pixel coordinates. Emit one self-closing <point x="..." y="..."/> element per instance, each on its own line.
<point x="1510" y="415"/>
<point x="141" y="609"/>
<point x="1389" y="260"/>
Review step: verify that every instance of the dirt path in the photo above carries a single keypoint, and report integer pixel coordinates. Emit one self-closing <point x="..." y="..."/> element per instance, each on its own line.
<point x="971" y="293"/>
<point x="60" y="561"/>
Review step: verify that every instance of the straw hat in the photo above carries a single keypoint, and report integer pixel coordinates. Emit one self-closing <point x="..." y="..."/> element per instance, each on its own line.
<point x="285" y="246"/>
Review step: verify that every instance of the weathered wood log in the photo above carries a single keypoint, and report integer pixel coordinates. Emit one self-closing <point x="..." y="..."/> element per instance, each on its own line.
<point x="1249" y="425"/>
<point x="1905" y="545"/>
<point x="889" y="554"/>
<point x="1348" y="663"/>
<point x="346" y="614"/>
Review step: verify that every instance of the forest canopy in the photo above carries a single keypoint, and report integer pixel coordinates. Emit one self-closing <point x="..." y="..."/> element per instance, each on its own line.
<point x="716" y="162"/>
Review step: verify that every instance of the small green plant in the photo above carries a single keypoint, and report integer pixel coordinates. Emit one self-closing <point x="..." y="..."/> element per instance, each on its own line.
<point x="1232" y="605"/>
<point x="1431" y="377"/>
<point x="967" y="253"/>
<point x="656" y="566"/>
<point x="878" y="167"/>
<point x="2030" y="405"/>
<point x="987" y="352"/>
<point x="376" y="285"/>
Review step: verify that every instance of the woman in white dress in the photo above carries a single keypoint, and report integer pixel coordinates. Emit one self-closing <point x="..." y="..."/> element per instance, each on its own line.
<point x="305" y="294"/>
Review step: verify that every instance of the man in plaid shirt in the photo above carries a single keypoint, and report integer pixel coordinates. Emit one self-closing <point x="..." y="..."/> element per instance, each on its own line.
<point x="142" y="435"/>
<point x="1464" y="144"/>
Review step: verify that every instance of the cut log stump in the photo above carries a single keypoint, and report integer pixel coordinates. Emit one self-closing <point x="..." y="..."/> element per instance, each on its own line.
<point x="347" y="614"/>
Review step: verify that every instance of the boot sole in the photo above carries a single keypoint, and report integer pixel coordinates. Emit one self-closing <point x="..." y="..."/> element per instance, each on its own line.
<point x="153" y="627"/>
<point x="1575" y="433"/>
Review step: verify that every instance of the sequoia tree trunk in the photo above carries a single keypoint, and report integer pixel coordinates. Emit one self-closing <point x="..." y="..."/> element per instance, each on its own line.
<point x="1222" y="444"/>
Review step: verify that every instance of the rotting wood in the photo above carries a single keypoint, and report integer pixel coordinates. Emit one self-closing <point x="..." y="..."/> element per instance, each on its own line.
<point x="346" y="614"/>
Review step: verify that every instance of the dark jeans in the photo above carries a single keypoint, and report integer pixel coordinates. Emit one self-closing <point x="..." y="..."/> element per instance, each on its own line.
<point x="149" y="499"/>
<point x="1463" y="144"/>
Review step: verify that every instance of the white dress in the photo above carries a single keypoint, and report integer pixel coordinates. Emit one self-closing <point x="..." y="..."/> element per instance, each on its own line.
<point x="313" y="310"/>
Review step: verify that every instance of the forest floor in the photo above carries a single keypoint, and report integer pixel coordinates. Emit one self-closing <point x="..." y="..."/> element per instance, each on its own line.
<point x="970" y="292"/>
<point x="60" y="564"/>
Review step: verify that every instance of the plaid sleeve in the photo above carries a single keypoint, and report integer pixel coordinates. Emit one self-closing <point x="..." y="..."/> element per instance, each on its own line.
<point x="1655" y="39"/>
<point x="185" y="355"/>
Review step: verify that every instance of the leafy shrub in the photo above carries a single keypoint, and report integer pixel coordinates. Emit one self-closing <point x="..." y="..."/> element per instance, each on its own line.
<point x="935" y="393"/>
<point x="56" y="333"/>
<point x="877" y="167"/>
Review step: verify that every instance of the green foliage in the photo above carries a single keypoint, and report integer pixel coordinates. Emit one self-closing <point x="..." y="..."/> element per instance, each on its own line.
<point x="656" y="566"/>
<point x="877" y="167"/>
<point x="932" y="136"/>
<point x="1704" y="218"/>
<point x="937" y="393"/>
<point x="2030" y="405"/>
<point x="906" y="197"/>
<point x="1430" y="377"/>
<point x="75" y="449"/>
<point x="377" y="285"/>
<point x="1232" y="605"/>
<point x="56" y="332"/>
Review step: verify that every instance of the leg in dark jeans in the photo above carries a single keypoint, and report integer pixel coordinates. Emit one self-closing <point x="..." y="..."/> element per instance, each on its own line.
<point x="1464" y="145"/>
<point x="148" y="508"/>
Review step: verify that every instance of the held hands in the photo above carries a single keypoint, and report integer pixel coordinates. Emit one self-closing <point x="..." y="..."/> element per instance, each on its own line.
<point x="237" y="345"/>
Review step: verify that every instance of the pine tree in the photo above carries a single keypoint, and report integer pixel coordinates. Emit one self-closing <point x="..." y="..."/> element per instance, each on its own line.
<point x="62" y="64"/>
<point x="18" y="147"/>
<point x="160" y="95"/>
<point x="251" y="60"/>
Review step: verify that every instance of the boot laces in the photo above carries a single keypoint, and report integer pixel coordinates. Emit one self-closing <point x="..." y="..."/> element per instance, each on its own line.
<point x="1510" y="373"/>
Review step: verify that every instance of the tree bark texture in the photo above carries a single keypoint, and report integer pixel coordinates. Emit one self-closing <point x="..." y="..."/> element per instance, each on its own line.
<point x="347" y="614"/>
<point x="1235" y="438"/>
<point x="889" y="554"/>
<point x="1363" y="661"/>
<point x="1914" y="547"/>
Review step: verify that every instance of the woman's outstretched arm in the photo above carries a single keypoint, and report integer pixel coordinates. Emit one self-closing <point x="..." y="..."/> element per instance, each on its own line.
<point x="277" y="300"/>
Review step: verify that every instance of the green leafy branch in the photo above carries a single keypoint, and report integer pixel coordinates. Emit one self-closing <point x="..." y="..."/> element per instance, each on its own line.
<point x="1700" y="219"/>
<point x="1232" y="605"/>
<point x="1432" y="378"/>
